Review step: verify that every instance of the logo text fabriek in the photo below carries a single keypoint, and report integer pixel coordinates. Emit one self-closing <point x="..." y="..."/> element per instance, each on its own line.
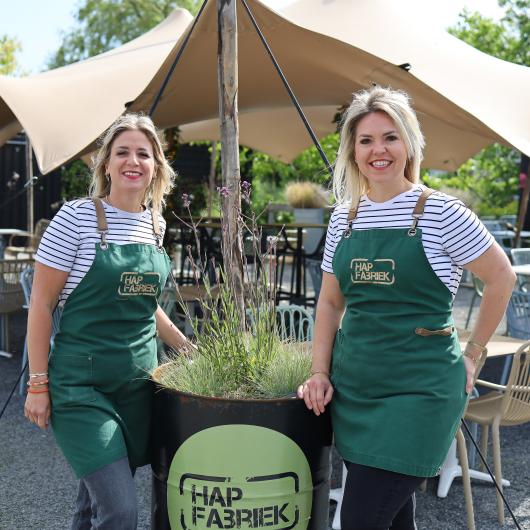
<point x="135" y="283"/>
<point x="220" y="507"/>
<point x="379" y="271"/>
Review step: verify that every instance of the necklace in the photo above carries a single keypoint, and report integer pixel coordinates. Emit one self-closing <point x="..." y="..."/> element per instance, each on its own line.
<point x="107" y="198"/>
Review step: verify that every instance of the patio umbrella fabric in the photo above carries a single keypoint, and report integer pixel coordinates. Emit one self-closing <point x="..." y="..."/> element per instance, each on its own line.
<point x="279" y="132"/>
<point x="496" y="92"/>
<point x="322" y="71"/>
<point x="66" y="109"/>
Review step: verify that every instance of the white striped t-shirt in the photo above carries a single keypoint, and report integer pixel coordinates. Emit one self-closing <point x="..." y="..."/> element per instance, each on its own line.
<point x="69" y="241"/>
<point x="452" y="235"/>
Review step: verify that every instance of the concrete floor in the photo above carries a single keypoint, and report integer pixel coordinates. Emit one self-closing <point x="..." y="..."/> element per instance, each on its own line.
<point x="37" y="488"/>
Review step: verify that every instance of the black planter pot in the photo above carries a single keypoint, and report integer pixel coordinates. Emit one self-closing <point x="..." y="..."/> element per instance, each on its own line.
<point x="220" y="463"/>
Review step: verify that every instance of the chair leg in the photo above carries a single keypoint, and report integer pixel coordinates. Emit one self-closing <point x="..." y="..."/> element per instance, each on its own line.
<point x="466" y="481"/>
<point x="484" y="445"/>
<point x="498" y="469"/>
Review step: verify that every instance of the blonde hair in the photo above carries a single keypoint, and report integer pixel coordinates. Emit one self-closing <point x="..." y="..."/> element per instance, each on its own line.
<point x="164" y="175"/>
<point x="348" y="182"/>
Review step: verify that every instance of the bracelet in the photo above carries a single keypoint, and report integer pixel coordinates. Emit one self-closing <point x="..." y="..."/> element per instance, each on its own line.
<point x="42" y="374"/>
<point x="39" y="383"/>
<point x="33" y="391"/>
<point x="313" y="372"/>
<point x="482" y="350"/>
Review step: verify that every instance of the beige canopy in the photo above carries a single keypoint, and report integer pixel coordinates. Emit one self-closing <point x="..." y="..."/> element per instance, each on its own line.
<point x="66" y="109"/>
<point x="319" y="45"/>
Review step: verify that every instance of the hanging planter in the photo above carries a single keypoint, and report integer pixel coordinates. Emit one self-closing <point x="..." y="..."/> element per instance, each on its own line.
<point x="233" y="463"/>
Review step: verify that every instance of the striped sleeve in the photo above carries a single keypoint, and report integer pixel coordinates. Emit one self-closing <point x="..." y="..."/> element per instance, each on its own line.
<point x="337" y="224"/>
<point x="60" y="242"/>
<point x="464" y="237"/>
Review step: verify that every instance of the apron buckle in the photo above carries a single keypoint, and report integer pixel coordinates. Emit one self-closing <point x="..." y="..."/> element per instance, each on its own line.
<point x="412" y="230"/>
<point x="347" y="233"/>
<point x="103" y="245"/>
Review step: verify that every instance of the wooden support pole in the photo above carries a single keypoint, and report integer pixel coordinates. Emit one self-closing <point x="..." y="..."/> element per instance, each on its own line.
<point x="30" y="221"/>
<point x="231" y="201"/>
<point x="523" y="204"/>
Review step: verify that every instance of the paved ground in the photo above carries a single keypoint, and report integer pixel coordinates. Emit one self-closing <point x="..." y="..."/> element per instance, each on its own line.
<point x="37" y="488"/>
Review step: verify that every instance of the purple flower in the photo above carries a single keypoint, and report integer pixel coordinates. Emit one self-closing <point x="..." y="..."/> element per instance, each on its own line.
<point x="223" y="191"/>
<point x="186" y="200"/>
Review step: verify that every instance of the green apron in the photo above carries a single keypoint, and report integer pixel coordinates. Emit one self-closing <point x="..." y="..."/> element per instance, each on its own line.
<point x="104" y="352"/>
<point x="397" y="367"/>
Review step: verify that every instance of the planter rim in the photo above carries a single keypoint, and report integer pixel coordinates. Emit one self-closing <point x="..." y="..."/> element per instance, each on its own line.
<point x="292" y="398"/>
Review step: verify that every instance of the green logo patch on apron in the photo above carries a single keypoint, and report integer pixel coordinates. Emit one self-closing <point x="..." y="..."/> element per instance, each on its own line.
<point x="136" y="283"/>
<point x="378" y="271"/>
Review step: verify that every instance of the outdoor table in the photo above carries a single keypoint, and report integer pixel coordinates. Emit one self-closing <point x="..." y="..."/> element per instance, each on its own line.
<point x="190" y="295"/>
<point x="521" y="270"/>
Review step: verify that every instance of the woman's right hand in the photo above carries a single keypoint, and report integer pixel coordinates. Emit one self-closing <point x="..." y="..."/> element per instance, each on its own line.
<point x="37" y="409"/>
<point x="317" y="392"/>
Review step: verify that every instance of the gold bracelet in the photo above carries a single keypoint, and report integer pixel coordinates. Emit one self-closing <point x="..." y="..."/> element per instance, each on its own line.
<point x="482" y="351"/>
<point x="313" y="372"/>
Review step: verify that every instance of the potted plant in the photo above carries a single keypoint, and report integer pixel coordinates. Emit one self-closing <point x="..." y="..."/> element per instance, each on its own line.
<point x="308" y="201"/>
<point x="232" y="445"/>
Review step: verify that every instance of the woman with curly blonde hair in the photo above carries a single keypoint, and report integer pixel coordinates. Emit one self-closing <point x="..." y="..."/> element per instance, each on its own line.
<point x="102" y="260"/>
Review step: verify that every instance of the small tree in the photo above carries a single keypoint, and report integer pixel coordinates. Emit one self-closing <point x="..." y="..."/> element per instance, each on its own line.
<point x="9" y="47"/>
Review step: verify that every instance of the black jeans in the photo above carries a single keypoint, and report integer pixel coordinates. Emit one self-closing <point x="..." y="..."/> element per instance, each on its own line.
<point x="376" y="499"/>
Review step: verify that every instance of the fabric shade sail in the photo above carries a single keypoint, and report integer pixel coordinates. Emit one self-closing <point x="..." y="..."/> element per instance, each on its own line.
<point x="65" y="110"/>
<point x="320" y="47"/>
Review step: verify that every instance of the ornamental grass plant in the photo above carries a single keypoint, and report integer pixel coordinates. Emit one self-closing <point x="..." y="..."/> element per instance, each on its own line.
<point x="303" y="194"/>
<point x="235" y="357"/>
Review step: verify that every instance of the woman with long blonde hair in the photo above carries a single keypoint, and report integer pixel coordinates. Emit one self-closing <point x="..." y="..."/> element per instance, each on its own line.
<point x="385" y="346"/>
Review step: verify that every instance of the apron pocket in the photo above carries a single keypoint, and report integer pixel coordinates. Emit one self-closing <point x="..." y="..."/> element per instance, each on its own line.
<point x="71" y="379"/>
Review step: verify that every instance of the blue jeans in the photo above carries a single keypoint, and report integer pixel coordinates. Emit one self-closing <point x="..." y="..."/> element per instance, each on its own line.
<point x="376" y="499"/>
<point x="106" y="499"/>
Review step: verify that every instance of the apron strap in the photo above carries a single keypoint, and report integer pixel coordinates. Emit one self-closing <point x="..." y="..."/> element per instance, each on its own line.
<point x="418" y="210"/>
<point x="156" y="228"/>
<point x="103" y="227"/>
<point x="352" y="214"/>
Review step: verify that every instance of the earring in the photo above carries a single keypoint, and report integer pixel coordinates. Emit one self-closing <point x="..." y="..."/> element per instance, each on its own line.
<point x="107" y="177"/>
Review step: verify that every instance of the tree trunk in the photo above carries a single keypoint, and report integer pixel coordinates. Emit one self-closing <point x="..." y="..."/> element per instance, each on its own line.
<point x="231" y="198"/>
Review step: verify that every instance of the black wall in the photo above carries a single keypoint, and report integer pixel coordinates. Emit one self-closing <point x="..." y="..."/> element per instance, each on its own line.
<point x="13" y="200"/>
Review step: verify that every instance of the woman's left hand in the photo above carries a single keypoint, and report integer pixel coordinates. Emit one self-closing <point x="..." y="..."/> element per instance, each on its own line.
<point x="470" y="373"/>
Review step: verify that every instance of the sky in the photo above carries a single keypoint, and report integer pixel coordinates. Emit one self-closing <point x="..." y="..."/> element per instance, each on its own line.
<point x="39" y="24"/>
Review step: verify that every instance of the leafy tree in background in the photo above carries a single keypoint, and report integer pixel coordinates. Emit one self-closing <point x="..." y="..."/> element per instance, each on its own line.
<point x="492" y="175"/>
<point x="8" y="55"/>
<point x="105" y="24"/>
